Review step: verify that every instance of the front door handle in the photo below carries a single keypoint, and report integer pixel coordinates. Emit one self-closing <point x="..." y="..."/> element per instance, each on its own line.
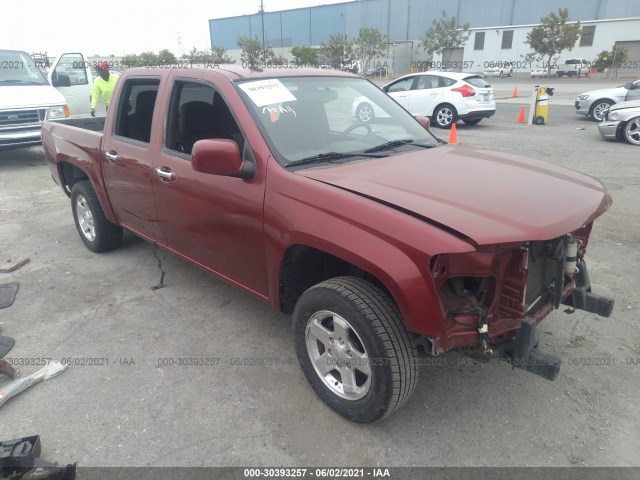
<point x="111" y="155"/>
<point x="165" y="173"/>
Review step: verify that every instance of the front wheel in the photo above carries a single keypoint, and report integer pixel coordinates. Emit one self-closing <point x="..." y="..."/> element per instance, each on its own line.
<point x="353" y="348"/>
<point x="97" y="233"/>
<point x="599" y="110"/>
<point x="631" y="131"/>
<point x="445" y="116"/>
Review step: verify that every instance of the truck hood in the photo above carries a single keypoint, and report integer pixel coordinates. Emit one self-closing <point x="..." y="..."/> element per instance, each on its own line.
<point x="623" y="105"/>
<point x="29" y="96"/>
<point x="488" y="197"/>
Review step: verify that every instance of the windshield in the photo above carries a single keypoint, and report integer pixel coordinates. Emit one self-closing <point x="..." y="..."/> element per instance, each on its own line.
<point x="317" y="118"/>
<point x="18" y="68"/>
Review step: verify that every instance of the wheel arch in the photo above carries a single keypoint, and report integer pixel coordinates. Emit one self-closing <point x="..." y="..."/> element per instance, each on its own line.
<point x="70" y="174"/>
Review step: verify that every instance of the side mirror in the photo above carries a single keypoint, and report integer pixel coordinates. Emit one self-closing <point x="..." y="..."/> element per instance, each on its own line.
<point x="385" y="89"/>
<point x="424" y="121"/>
<point x="628" y="86"/>
<point x="217" y="157"/>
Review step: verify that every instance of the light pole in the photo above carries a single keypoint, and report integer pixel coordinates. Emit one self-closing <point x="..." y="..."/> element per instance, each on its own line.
<point x="264" y="51"/>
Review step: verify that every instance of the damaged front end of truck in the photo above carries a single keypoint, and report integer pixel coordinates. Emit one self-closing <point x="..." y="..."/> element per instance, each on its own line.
<point x="493" y="298"/>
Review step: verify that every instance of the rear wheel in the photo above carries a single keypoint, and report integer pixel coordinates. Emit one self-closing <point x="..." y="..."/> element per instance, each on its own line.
<point x="353" y="348"/>
<point x="365" y="113"/>
<point x="631" y="131"/>
<point x="445" y="116"/>
<point x="472" y="121"/>
<point x="97" y="233"/>
<point x="599" y="109"/>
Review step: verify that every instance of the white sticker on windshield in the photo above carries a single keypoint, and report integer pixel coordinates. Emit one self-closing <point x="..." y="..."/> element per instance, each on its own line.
<point x="267" y="92"/>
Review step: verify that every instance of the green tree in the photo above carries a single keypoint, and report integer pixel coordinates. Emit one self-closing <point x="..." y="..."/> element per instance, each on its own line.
<point x="165" y="57"/>
<point x="552" y="37"/>
<point x="338" y="51"/>
<point x="148" y="59"/>
<point x="443" y="36"/>
<point x="219" y="55"/>
<point x="304" y="55"/>
<point x="131" y="60"/>
<point x="369" y="45"/>
<point x="611" y="59"/>
<point x="252" y="52"/>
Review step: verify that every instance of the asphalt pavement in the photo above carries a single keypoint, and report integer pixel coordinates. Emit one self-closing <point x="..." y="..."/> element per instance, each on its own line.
<point x="125" y="401"/>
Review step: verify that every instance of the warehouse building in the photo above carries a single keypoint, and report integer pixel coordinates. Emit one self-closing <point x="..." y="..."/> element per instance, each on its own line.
<point x="498" y="29"/>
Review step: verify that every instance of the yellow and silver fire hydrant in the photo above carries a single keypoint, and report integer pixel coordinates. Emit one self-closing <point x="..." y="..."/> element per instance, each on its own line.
<point x="541" y="109"/>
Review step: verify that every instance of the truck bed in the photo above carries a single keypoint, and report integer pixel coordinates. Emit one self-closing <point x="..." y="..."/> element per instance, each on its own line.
<point x="95" y="124"/>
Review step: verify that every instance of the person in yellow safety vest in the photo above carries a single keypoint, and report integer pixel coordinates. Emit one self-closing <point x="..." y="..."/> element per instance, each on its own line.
<point x="102" y="86"/>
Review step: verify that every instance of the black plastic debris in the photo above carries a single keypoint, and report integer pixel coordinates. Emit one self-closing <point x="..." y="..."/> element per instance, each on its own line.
<point x="20" y="460"/>
<point x="8" y="293"/>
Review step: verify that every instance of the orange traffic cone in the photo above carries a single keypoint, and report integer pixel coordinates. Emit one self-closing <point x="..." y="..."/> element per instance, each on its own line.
<point x="453" y="135"/>
<point x="521" y="118"/>
<point x="515" y="92"/>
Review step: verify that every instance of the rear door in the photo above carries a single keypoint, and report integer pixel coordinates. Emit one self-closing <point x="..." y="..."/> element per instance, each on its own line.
<point x="425" y="94"/>
<point x="128" y="148"/>
<point x="70" y="74"/>
<point x="399" y="90"/>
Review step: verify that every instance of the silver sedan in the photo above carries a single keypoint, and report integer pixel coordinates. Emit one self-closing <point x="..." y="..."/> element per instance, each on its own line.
<point x="622" y="121"/>
<point x="596" y="102"/>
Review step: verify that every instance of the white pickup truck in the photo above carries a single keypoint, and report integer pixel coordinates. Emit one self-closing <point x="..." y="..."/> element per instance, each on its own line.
<point x="28" y="97"/>
<point x="574" y="66"/>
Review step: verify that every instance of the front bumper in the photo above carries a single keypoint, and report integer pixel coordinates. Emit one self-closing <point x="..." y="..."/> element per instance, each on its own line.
<point x="20" y="137"/>
<point x="582" y="107"/>
<point x="608" y="129"/>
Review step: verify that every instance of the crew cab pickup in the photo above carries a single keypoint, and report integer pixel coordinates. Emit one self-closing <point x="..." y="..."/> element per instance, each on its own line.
<point x="383" y="242"/>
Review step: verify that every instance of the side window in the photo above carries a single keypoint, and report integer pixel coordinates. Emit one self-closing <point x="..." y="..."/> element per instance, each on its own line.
<point x="135" y="109"/>
<point x="70" y="71"/>
<point x="197" y="112"/>
<point x="447" y="82"/>
<point x="427" y="82"/>
<point x="401" y="86"/>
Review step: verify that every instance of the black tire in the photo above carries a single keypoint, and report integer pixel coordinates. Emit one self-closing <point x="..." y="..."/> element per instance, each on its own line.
<point x="97" y="233"/>
<point x="472" y="121"/>
<point x="560" y="75"/>
<point x="375" y="327"/>
<point x="445" y="115"/>
<point x="596" y="112"/>
<point x="538" y="120"/>
<point x="365" y="113"/>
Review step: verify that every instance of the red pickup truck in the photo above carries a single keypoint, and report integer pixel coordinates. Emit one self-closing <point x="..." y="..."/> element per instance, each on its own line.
<point x="383" y="242"/>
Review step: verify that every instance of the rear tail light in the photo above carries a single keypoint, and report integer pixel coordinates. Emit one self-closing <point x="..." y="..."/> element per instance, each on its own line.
<point x="465" y="90"/>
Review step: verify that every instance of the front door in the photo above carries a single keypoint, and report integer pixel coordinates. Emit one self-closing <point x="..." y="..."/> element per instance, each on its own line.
<point x="71" y="76"/>
<point x="213" y="220"/>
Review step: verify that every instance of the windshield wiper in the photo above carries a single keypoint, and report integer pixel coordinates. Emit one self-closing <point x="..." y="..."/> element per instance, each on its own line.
<point x="327" y="157"/>
<point x="395" y="143"/>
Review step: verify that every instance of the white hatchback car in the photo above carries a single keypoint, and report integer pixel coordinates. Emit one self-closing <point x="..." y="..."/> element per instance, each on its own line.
<point x="445" y="97"/>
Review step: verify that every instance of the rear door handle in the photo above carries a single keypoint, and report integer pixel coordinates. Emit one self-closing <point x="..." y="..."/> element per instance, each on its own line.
<point x="165" y="173"/>
<point x="111" y="155"/>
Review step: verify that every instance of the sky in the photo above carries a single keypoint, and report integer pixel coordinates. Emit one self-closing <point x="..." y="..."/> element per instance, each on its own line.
<point x="121" y="26"/>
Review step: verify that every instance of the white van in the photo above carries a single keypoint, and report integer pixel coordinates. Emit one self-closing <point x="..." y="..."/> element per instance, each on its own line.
<point x="27" y="97"/>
